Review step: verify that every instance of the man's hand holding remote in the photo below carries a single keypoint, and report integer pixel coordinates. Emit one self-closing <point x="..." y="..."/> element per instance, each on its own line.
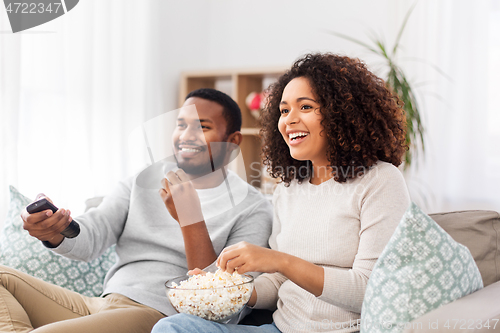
<point x="46" y="225"/>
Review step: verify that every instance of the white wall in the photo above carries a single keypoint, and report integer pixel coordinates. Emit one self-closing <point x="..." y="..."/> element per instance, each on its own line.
<point x="235" y="34"/>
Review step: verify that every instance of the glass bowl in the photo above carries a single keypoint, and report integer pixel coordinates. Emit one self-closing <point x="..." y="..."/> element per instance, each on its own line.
<point x="219" y="304"/>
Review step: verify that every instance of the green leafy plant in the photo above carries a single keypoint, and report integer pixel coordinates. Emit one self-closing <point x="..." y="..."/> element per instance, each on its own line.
<point x="397" y="81"/>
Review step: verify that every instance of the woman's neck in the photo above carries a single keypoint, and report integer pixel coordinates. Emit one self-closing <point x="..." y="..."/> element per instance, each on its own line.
<point x="321" y="173"/>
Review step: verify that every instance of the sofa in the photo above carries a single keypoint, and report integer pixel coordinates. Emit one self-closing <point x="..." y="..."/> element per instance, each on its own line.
<point x="478" y="230"/>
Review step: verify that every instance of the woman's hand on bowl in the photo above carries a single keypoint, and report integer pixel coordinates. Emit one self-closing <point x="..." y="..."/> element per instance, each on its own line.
<point x="244" y="257"/>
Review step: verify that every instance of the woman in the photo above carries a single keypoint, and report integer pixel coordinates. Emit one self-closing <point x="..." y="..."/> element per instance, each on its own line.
<point x="334" y="134"/>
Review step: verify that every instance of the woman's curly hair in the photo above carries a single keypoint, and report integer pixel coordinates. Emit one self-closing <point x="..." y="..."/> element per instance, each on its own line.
<point x="363" y="120"/>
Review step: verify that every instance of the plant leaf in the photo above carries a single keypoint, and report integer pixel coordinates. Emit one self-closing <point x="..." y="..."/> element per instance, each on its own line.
<point x="436" y="68"/>
<point x="382" y="48"/>
<point x="354" y="40"/>
<point x="398" y="38"/>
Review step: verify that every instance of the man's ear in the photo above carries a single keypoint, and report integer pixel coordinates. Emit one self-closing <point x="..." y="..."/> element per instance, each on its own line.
<point x="235" y="137"/>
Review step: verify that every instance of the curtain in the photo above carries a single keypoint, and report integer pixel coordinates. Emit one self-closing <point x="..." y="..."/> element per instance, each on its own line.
<point x="459" y="169"/>
<point x="72" y="93"/>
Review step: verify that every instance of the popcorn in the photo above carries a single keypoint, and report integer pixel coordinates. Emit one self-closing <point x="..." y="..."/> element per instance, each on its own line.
<point x="214" y="296"/>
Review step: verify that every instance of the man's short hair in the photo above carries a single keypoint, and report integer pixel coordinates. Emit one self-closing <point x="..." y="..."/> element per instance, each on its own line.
<point x="231" y="111"/>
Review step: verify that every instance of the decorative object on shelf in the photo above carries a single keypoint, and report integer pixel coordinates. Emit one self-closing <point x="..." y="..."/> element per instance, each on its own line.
<point x="397" y="80"/>
<point x="255" y="102"/>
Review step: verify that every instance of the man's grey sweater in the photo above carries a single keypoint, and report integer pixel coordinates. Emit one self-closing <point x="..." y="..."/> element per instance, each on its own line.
<point x="149" y="242"/>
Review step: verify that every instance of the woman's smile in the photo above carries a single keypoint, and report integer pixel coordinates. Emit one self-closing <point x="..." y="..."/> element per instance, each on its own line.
<point x="296" y="138"/>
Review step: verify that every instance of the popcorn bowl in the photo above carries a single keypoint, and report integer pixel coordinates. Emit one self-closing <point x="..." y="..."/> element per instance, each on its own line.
<point x="216" y="303"/>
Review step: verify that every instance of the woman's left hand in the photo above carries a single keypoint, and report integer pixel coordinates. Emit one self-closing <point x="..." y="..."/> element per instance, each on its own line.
<point x="245" y="257"/>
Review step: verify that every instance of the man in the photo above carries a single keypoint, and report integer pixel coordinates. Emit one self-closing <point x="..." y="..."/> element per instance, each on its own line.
<point x="207" y="209"/>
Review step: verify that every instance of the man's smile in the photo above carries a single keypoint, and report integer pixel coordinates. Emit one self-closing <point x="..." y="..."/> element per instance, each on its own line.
<point x="190" y="150"/>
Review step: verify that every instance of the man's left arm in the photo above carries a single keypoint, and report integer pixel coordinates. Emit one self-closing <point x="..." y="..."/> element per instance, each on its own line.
<point x="184" y="206"/>
<point x="198" y="245"/>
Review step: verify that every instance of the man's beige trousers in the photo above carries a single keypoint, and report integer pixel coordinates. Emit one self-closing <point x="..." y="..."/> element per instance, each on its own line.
<point x="28" y="304"/>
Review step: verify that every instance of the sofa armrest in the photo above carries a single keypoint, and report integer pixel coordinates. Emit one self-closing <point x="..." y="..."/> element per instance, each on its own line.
<point x="471" y="313"/>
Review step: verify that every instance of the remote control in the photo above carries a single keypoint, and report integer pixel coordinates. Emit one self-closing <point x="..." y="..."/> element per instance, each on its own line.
<point x="71" y="231"/>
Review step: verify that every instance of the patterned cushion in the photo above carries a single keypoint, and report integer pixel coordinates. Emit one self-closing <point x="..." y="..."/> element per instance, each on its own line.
<point x="420" y="269"/>
<point x="21" y="251"/>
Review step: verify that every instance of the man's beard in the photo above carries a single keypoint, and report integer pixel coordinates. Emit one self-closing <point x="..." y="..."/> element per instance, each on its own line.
<point x="210" y="165"/>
